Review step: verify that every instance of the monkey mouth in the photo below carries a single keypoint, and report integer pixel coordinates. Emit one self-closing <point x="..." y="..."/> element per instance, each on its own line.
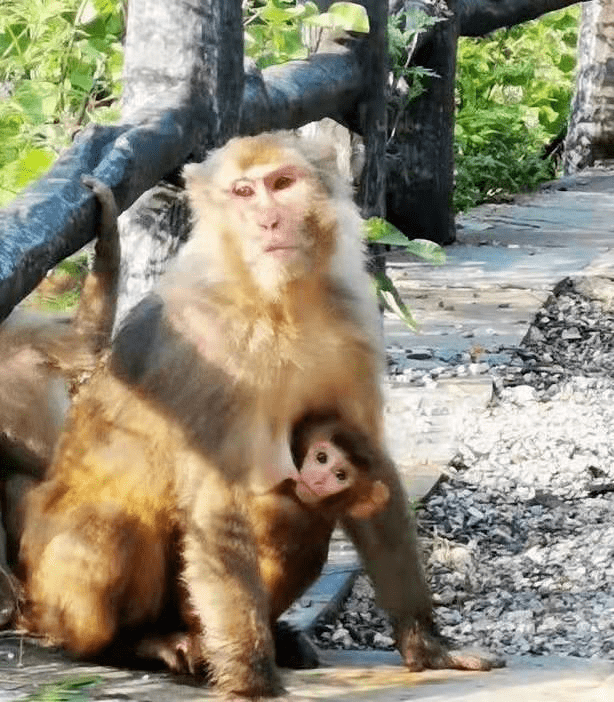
<point x="282" y="251"/>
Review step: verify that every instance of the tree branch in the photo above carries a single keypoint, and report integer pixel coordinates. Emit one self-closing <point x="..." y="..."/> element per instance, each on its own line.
<point x="479" y="17"/>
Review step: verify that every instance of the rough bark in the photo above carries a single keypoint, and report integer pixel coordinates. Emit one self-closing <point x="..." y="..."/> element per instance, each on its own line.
<point x="373" y="124"/>
<point x="177" y="55"/>
<point x="420" y="159"/>
<point x="590" y="137"/>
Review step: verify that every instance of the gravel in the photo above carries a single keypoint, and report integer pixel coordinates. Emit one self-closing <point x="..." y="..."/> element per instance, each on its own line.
<point x="519" y="538"/>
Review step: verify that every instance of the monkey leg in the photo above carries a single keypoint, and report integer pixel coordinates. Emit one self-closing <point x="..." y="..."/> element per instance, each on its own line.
<point x="98" y="571"/>
<point x="8" y="585"/>
<point x="226" y="593"/>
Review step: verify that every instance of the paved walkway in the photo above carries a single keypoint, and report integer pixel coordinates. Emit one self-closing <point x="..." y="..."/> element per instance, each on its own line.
<point x="474" y="309"/>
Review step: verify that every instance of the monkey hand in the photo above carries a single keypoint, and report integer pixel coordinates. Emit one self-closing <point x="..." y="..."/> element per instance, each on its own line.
<point x="421" y="648"/>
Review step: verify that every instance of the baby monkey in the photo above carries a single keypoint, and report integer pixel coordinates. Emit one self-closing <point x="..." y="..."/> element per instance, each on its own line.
<point x="336" y="465"/>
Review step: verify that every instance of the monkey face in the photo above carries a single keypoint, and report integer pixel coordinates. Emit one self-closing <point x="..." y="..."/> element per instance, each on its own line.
<point x="325" y="471"/>
<point x="271" y="208"/>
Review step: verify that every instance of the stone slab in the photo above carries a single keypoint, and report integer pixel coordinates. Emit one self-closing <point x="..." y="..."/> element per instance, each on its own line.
<point x="422" y="423"/>
<point x="376" y="676"/>
<point x="379" y="677"/>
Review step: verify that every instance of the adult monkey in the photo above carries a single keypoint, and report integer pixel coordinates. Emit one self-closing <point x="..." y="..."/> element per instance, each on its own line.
<point x="265" y="316"/>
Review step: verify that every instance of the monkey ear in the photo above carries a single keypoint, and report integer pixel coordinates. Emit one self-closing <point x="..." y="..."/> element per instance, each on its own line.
<point x="372" y="503"/>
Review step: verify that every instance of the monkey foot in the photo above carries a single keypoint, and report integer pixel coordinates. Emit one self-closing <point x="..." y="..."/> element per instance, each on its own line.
<point x="293" y="649"/>
<point x="421" y="650"/>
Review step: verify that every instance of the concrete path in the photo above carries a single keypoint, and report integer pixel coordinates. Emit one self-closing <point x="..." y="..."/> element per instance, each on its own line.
<point x="473" y="310"/>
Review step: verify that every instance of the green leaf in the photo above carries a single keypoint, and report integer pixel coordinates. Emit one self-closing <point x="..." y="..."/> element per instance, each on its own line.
<point x="37" y="99"/>
<point x="380" y="231"/>
<point x="69" y="690"/>
<point x="343" y="15"/>
<point x="390" y="299"/>
<point x="79" y="78"/>
<point x="32" y="165"/>
<point x="567" y="63"/>
<point x="428" y="251"/>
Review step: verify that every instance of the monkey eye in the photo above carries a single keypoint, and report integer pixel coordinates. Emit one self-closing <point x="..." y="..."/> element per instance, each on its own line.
<point x="283" y="182"/>
<point x="321" y="457"/>
<point x="341" y="475"/>
<point x="242" y="190"/>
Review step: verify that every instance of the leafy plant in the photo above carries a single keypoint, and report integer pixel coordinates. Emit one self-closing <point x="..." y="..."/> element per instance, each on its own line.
<point x="408" y="81"/>
<point x="60" y="68"/>
<point x="274" y="28"/>
<point x="69" y="690"/>
<point x="513" y="95"/>
<point x="378" y="230"/>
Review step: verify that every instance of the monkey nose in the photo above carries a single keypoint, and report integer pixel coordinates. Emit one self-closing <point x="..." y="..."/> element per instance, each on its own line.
<point x="268" y="219"/>
<point x="269" y="223"/>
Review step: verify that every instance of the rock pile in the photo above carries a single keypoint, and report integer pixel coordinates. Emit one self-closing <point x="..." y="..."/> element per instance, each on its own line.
<point x="519" y="539"/>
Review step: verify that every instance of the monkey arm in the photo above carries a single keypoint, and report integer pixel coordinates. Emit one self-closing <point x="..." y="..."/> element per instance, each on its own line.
<point x="387" y="544"/>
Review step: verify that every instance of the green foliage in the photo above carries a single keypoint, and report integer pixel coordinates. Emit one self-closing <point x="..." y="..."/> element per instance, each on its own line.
<point x="378" y="230"/>
<point x="69" y="690"/>
<point x="273" y="28"/>
<point x="513" y="92"/>
<point x="408" y="81"/>
<point x="60" y="68"/>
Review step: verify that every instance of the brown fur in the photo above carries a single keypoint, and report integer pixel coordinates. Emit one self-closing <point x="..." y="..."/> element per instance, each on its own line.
<point x="44" y="358"/>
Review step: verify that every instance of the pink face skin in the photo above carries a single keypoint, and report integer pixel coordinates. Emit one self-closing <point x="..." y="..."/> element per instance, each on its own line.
<point x="272" y="206"/>
<point x="325" y="471"/>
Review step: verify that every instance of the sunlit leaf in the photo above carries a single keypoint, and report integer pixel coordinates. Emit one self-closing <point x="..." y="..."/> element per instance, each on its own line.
<point x="33" y="164"/>
<point x="391" y="300"/>
<point x="343" y="15"/>
<point x="380" y="231"/>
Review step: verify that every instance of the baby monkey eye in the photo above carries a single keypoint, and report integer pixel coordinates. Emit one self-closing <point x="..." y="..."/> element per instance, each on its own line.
<point x="321" y="457"/>
<point x="341" y="475"/>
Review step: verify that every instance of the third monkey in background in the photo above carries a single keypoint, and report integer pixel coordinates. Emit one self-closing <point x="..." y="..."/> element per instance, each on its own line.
<point x="161" y="474"/>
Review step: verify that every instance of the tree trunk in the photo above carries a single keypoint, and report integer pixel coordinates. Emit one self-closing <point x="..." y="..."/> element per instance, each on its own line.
<point x="373" y="122"/>
<point x="187" y="54"/>
<point x="590" y="137"/>
<point x="420" y="159"/>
